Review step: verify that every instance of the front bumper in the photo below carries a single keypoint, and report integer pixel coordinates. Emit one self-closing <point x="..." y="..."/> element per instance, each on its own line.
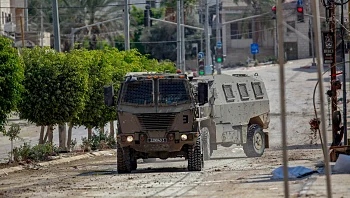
<point x="141" y="141"/>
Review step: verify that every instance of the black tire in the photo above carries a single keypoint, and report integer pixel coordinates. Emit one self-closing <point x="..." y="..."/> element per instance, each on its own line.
<point x="255" y="145"/>
<point x="205" y="137"/>
<point x="195" y="157"/>
<point x="133" y="164"/>
<point x="123" y="159"/>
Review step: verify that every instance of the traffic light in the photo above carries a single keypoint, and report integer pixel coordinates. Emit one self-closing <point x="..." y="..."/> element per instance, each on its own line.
<point x="201" y="67"/>
<point x="273" y="9"/>
<point x="300" y="12"/>
<point x="219" y="55"/>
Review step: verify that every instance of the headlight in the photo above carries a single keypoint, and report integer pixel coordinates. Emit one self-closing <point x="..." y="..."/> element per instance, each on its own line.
<point x="183" y="137"/>
<point x="129" y="138"/>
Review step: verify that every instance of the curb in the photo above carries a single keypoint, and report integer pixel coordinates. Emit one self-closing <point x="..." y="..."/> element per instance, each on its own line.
<point x="6" y="171"/>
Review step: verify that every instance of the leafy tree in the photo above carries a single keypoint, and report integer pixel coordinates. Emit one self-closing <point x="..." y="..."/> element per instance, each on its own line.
<point x="55" y="86"/>
<point x="11" y="76"/>
<point x="13" y="134"/>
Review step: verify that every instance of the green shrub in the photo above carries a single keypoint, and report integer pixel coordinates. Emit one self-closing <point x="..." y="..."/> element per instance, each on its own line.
<point x="40" y="152"/>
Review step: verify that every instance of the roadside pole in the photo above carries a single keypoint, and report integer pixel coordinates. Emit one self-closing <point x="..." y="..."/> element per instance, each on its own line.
<point x="126" y="25"/>
<point x="57" y="37"/>
<point x="280" y="27"/>
<point x="218" y="33"/>
<point x="178" y="31"/>
<point x="312" y="37"/>
<point x="206" y="34"/>
<point x="317" y="30"/>
<point x="345" y="122"/>
<point x="183" y="48"/>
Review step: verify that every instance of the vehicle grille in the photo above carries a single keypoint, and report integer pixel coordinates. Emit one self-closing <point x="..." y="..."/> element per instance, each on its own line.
<point x="153" y="121"/>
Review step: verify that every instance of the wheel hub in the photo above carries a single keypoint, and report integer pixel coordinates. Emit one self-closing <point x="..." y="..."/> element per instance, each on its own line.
<point x="258" y="141"/>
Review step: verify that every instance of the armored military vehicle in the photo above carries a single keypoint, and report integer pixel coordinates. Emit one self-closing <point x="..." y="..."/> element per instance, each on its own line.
<point x="162" y="115"/>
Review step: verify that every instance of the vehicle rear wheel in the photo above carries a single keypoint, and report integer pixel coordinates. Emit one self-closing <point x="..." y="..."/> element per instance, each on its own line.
<point x="205" y="137"/>
<point x="195" y="157"/>
<point x="123" y="159"/>
<point x="255" y="145"/>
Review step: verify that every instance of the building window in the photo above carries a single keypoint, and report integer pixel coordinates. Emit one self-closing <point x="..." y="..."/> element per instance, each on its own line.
<point x="291" y="23"/>
<point x="2" y="18"/>
<point x="257" y="90"/>
<point x="234" y="31"/>
<point x="243" y="91"/>
<point x="241" y="31"/>
<point x="228" y="93"/>
<point x="8" y="18"/>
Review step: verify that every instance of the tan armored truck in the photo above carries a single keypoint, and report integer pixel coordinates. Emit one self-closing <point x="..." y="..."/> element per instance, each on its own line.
<point x="162" y="115"/>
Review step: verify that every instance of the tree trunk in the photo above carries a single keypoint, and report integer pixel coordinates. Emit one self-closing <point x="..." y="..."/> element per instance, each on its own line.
<point x="50" y="134"/>
<point x="89" y="133"/>
<point x="47" y="134"/>
<point x="11" y="160"/>
<point x="69" y="139"/>
<point x="111" y="128"/>
<point x="62" y="131"/>
<point x="42" y="133"/>
<point x="102" y="129"/>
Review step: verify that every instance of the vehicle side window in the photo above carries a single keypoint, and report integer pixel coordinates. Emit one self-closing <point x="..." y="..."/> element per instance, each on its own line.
<point x="257" y="90"/>
<point x="228" y="93"/>
<point x="242" y="88"/>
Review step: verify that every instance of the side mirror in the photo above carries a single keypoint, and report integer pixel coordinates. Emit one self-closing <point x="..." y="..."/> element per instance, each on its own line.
<point x="202" y="93"/>
<point x="108" y="95"/>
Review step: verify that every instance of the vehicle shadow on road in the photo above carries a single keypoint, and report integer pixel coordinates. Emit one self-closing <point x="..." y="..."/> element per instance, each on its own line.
<point x="160" y="170"/>
<point x="99" y="172"/>
<point x="225" y="158"/>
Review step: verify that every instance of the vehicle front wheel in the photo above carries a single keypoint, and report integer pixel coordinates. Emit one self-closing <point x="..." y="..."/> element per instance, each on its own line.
<point x="195" y="157"/>
<point x="205" y="137"/>
<point x="123" y="159"/>
<point x="255" y="145"/>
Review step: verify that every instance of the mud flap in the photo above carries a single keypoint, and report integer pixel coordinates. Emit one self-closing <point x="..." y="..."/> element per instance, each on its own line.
<point x="267" y="144"/>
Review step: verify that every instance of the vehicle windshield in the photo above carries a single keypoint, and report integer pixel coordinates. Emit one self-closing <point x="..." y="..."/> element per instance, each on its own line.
<point x="138" y="92"/>
<point x="172" y="92"/>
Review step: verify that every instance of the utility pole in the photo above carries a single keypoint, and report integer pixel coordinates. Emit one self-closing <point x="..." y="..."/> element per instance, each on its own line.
<point x="334" y="101"/>
<point x="42" y="25"/>
<point x="26" y="15"/>
<point x="206" y="34"/>
<point x="318" y="46"/>
<point x="22" y="31"/>
<point x="126" y="25"/>
<point x="344" y="76"/>
<point x="178" y="31"/>
<point x="183" y="47"/>
<point x="56" y="26"/>
<point x="311" y="36"/>
<point x="218" y="33"/>
<point x="57" y="36"/>
<point x="280" y="30"/>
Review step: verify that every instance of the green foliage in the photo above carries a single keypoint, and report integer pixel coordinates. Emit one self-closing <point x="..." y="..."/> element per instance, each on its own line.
<point x="11" y="76"/>
<point x="98" y="141"/>
<point x="13" y="132"/>
<point x="39" y="152"/>
<point x="55" y="86"/>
